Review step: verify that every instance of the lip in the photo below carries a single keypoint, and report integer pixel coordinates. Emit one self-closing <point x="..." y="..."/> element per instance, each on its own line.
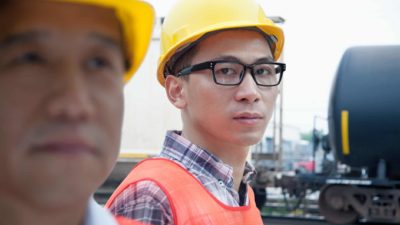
<point x="64" y="146"/>
<point x="248" y="118"/>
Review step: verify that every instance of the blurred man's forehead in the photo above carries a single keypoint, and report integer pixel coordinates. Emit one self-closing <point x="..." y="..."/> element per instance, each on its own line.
<point x="40" y="13"/>
<point x="31" y="6"/>
<point x="50" y="23"/>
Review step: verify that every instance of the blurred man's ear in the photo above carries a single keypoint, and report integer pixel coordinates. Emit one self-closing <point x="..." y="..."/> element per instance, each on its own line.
<point x="175" y="91"/>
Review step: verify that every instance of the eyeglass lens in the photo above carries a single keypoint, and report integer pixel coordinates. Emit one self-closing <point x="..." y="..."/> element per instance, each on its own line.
<point x="232" y="73"/>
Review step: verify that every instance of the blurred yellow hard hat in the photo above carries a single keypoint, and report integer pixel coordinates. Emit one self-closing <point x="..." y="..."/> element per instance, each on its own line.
<point x="189" y="20"/>
<point x="137" y="20"/>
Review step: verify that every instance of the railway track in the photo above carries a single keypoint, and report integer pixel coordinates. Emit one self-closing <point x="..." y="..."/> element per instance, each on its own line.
<point x="274" y="220"/>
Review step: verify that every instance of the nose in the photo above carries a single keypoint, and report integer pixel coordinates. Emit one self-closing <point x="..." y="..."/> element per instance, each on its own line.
<point x="248" y="90"/>
<point x="70" y="96"/>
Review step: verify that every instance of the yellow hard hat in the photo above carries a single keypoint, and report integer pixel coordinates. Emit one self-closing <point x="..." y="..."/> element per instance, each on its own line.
<point x="189" y="20"/>
<point x="137" y="20"/>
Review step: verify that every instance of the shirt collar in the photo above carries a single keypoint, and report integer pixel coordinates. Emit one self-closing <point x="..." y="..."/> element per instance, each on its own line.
<point x="194" y="158"/>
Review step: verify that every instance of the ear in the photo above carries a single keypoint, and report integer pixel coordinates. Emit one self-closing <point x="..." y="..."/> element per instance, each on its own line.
<point x="175" y="92"/>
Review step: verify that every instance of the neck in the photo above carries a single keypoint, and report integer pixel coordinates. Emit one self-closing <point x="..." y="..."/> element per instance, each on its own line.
<point x="238" y="164"/>
<point x="17" y="212"/>
<point x="231" y="154"/>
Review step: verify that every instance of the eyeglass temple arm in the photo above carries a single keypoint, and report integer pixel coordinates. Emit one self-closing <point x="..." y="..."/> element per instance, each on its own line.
<point x="188" y="70"/>
<point x="185" y="71"/>
<point x="281" y="68"/>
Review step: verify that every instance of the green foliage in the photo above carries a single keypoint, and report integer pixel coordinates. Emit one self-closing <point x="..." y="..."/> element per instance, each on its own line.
<point x="307" y="136"/>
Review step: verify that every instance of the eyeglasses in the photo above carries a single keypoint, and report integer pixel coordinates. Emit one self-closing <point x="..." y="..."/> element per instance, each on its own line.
<point x="230" y="73"/>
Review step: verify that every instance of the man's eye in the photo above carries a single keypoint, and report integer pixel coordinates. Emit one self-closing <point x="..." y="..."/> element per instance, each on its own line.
<point x="226" y="71"/>
<point x="29" y="57"/>
<point x="263" y="71"/>
<point x="98" y="63"/>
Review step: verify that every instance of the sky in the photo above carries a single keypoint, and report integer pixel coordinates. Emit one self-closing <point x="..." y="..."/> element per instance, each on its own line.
<point x="317" y="32"/>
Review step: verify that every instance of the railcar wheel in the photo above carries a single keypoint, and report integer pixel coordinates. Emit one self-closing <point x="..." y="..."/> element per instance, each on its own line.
<point x="334" y="205"/>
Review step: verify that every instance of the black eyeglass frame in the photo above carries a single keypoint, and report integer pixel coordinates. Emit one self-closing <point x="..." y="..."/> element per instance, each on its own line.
<point x="211" y="65"/>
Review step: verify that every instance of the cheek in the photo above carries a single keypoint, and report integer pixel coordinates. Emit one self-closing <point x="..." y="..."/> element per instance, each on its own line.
<point x="16" y="109"/>
<point x="271" y="96"/>
<point x="113" y="106"/>
<point x="110" y="110"/>
<point x="108" y="94"/>
<point x="213" y="112"/>
<point x="206" y="102"/>
<point x="269" y="99"/>
<point x="12" y="119"/>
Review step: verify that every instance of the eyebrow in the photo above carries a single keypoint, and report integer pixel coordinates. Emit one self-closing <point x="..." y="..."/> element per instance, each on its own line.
<point x="236" y="59"/>
<point x="31" y="36"/>
<point x="24" y="37"/>
<point x="107" y="41"/>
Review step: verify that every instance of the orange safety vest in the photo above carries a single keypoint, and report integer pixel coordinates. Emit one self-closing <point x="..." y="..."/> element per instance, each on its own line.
<point x="191" y="203"/>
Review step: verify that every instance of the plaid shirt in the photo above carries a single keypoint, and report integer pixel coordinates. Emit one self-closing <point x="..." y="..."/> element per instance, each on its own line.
<point x="146" y="202"/>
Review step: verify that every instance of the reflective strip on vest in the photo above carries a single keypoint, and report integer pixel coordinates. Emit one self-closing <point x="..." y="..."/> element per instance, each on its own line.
<point x="125" y="221"/>
<point x="191" y="203"/>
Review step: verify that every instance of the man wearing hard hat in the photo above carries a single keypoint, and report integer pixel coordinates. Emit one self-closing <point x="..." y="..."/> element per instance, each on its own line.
<point x="63" y="65"/>
<point x="218" y="66"/>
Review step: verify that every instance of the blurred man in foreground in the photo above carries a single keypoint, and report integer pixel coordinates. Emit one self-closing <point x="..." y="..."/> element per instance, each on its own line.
<point x="63" y="65"/>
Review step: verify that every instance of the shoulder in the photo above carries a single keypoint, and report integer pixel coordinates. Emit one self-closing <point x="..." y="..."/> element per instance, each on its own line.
<point x="142" y="192"/>
<point x="144" y="201"/>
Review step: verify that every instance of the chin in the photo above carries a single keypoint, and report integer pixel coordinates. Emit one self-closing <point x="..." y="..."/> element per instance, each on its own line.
<point x="61" y="198"/>
<point x="249" y="140"/>
<point x="62" y="187"/>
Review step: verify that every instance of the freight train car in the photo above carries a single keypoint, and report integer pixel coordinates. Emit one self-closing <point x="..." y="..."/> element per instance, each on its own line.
<point x="364" y="129"/>
<point x="364" y="134"/>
